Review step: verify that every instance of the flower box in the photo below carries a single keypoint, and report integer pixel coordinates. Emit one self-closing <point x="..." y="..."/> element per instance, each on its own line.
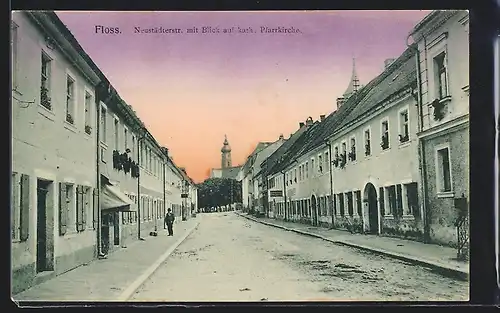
<point x="69" y="118"/>
<point x="384" y="144"/>
<point x="88" y="129"/>
<point x="403" y="138"/>
<point x="45" y="99"/>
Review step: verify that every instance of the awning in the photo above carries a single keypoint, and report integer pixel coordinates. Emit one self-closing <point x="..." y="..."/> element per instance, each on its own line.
<point x="114" y="199"/>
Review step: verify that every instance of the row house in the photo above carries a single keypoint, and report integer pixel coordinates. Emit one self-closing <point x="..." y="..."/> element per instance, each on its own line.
<point x="276" y="179"/>
<point x="54" y="179"/>
<point x="442" y="53"/>
<point x="87" y="175"/>
<point x="260" y="203"/>
<point x="374" y="157"/>
<point x="173" y="187"/>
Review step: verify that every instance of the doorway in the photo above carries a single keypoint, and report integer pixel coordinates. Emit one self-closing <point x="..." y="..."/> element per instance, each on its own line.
<point x="314" y="211"/>
<point x="370" y="195"/>
<point x="42" y="230"/>
<point x="116" y="228"/>
<point x="105" y="232"/>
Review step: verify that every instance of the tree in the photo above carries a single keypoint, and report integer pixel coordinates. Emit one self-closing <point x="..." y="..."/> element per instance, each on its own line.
<point x="216" y="192"/>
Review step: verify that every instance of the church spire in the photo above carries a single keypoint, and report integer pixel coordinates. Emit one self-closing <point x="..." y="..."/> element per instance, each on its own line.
<point x="354" y="83"/>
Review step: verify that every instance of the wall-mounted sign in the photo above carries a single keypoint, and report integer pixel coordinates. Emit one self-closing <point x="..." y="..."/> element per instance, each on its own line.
<point x="276" y="193"/>
<point x="184" y="195"/>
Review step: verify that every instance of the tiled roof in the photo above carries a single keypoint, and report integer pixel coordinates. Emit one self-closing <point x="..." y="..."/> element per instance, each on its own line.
<point x="366" y="98"/>
<point x="400" y="75"/>
<point x="268" y="164"/>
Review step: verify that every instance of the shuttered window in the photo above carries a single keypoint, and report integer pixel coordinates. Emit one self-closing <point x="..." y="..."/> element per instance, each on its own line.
<point x="95" y="208"/>
<point x="63" y="209"/>
<point x="82" y="204"/>
<point x="15" y="206"/>
<point x="24" y="219"/>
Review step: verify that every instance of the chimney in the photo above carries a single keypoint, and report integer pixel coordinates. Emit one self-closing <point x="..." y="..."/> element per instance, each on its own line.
<point x="301" y="124"/>
<point x="165" y="150"/>
<point x="340" y="101"/>
<point x="322" y="117"/>
<point x="281" y="137"/>
<point x="309" y="121"/>
<point x="387" y="62"/>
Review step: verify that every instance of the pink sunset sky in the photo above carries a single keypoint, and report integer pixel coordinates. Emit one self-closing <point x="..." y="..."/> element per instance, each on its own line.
<point x="191" y="89"/>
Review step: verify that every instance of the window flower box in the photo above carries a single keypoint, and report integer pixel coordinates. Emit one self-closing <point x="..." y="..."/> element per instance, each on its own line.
<point x="438" y="106"/>
<point x="404" y="138"/>
<point x="343" y="160"/>
<point x="88" y="129"/>
<point x="336" y="161"/>
<point x="45" y="99"/>
<point x="69" y="118"/>
<point x="352" y="155"/>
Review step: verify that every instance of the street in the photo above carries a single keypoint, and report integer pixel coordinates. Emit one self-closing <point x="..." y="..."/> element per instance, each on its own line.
<point x="229" y="258"/>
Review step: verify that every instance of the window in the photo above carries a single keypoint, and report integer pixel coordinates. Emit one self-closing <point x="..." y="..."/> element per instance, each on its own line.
<point x="352" y="153"/>
<point x="320" y="164"/>
<point x="329" y="205"/>
<point x="412" y="199"/>
<point x="103" y="128"/>
<point x="307" y="169"/>
<point x="45" y="99"/>
<point x="391" y="196"/>
<point x="312" y="167"/>
<point x="441" y="75"/>
<point x="358" y="203"/>
<point x="344" y="148"/>
<point x="350" y="206"/>
<point x="336" y="149"/>
<point x="327" y="161"/>
<point x="385" y="135"/>
<point x="382" y="200"/>
<point x="132" y="149"/>
<point x="125" y="138"/>
<point x="404" y="133"/>
<point x="66" y="205"/>
<point x="14" y="44"/>
<point x="367" y="143"/>
<point x="399" y="200"/>
<point x="70" y="100"/>
<point x="88" y="115"/>
<point x="300" y="172"/>
<point x="341" y="203"/>
<point x="117" y="144"/>
<point x="443" y="170"/>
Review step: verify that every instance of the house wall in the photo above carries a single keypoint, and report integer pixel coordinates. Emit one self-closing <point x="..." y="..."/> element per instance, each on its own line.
<point x="456" y="46"/>
<point x="46" y="147"/>
<point x="396" y="165"/>
<point x="452" y="130"/>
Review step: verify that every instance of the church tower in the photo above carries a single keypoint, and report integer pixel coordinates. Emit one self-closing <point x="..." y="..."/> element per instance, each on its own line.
<point x="226" y="154"/>
<point x="353" y="87"/>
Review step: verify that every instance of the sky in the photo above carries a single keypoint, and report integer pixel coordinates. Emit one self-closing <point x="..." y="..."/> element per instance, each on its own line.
<point x="191" y="89"/>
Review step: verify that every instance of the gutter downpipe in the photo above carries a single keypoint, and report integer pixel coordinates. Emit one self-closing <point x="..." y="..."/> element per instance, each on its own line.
<point x="164" y="187"/>
<point x="139" y="146"/>
<point x="331" y="181"/>
<point x="98" y="163"/>
<point x="421" y="146"/>
<point x="284" y="193"/>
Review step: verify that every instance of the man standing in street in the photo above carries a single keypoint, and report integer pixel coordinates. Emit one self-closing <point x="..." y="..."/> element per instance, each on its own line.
<point x="169" y="221"/>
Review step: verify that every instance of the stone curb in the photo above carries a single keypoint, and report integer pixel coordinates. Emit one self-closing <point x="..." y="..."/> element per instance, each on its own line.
<point x="442" y="269"/>
<point x="131" y="289"/>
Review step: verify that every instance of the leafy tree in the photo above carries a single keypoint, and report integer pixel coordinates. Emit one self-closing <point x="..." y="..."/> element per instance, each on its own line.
<point x="216" y="192"/>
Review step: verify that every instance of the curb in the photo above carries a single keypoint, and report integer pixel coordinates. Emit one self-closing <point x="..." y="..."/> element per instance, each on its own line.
<point x="439" y="268"/>
<point x="131" y="289"/>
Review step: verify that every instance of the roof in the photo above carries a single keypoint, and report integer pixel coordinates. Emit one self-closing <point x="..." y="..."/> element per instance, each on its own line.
<point x="264" y="154"/>
<point x="398" y="76"/>
<point x="229" y="172"/>
<point x="367" y="98"/>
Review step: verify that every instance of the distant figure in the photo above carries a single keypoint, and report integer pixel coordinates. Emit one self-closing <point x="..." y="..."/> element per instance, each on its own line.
<point x="169" y="221"/>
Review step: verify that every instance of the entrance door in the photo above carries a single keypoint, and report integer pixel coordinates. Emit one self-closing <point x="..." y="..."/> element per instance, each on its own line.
<point x="314" y="211"/>
<point x="41" y="226"/>
<point x="116" y="228"/>
<point x="105" y="232"/>
<point x="371" y="197"/>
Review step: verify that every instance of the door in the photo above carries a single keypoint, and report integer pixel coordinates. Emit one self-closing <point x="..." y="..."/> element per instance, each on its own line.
<point x="371" y="197"/>
<point x="41" y="226"/>
<point x="105" y="232"/>
<point x="314" y="211"/>
<point x="116" y="228"/>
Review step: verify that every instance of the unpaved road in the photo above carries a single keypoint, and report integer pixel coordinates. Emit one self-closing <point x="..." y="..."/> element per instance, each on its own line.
<point x="229" y="258"/>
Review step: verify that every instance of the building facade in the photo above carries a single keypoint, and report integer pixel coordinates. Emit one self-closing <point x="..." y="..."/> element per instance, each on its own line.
<point x="442" y="39"/>
<point x="53" y="151"/>
<point x="87" y="176"/>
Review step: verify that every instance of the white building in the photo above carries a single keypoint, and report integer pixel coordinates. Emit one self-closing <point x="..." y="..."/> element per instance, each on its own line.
<point x="53" y="150"/>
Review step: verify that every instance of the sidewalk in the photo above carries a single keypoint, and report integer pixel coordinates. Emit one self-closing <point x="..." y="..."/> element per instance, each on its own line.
<point x="437" y="257"/>
<point x="112" y="278"/>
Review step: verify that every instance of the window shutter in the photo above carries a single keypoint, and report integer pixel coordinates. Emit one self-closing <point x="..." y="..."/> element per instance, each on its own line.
<point x="63" y="209"/>
<point x="79" y="206"/>
<point x="95" y="208"/>
<point x="85" y="206"/>
<point x="25" y="208"/>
